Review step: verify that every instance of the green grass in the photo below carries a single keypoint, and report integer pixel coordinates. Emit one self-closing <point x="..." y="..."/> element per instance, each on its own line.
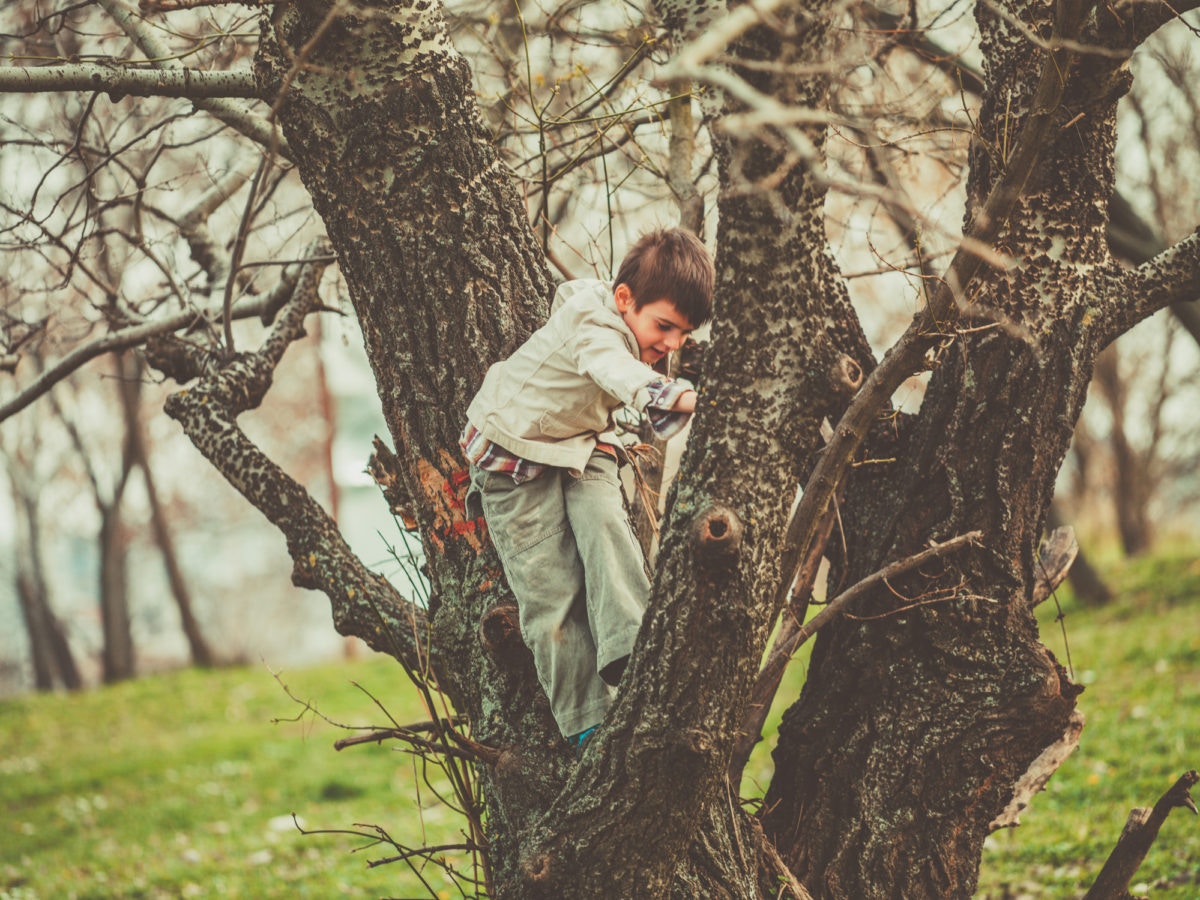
<point x="183" y="786"/>
<point x="1139" y="658"/>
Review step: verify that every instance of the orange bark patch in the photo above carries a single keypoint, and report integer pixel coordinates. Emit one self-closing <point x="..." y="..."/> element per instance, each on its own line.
<point x="446" y="497"/>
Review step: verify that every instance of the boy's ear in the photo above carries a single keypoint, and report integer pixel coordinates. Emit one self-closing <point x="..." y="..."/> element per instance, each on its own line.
<point x="623" y="297"/>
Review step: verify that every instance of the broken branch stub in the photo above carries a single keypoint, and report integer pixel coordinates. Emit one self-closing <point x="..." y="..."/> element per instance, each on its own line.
<point x="1140" y="832"/>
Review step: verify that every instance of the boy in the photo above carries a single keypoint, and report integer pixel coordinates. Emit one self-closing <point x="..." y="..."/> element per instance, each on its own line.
<point x="544" y="469"/>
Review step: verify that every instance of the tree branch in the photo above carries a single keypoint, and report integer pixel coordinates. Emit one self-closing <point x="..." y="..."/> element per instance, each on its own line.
<point x="1139" y="834"/>
<point x="769" y="677"/>
<point x="778" y="869"/>
<point x="364" y="604"/>
<point x="1127" y="24"/>
<point x="793" y="635"/>
<point x="1170" y="278"/>
<point x="120" y="81"/>
<point x="233" y="114"/>
<point x="264" y="307"/>
<point x="1128" y="235"/>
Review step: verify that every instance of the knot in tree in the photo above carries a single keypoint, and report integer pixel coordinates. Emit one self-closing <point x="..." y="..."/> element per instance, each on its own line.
<point x="717" y="538"/>
<point x="500" y="631"/>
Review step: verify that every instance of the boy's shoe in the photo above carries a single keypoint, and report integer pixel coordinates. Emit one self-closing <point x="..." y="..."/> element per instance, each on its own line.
<point x="579" y="740"/>
<point x="611" y="674"/>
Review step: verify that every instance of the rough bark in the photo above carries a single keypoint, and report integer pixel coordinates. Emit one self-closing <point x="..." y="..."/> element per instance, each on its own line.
<point x="921" y="712"/>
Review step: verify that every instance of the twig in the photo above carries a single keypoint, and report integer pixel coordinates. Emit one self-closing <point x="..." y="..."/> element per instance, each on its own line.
<point x="420" y="744"/>
<point x="848" y="596"/>
<point x="233" y="114"/>
<point x="771" y="674"/>
<point x="779" y="868"/>
<point x="262" y="307"/>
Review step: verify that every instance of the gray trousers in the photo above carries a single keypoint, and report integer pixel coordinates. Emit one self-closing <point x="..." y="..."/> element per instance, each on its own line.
<point x="577" y="572"/>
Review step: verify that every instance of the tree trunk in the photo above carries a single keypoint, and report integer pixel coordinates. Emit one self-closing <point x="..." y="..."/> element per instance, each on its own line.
<point x="117" y="656"/>
<point x="924" y="707"/>
<point x="49" y="650"/>
<point x="446" y="277"/>
<point x="130" y="391"/>
<point x="1131" y="486"/>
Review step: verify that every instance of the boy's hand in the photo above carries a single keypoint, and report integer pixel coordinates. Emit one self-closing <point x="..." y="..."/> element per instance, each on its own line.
<point x="686" y="403"/>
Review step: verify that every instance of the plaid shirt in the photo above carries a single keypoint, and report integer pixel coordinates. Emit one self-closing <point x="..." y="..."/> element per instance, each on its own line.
<point x="491" y="457"/>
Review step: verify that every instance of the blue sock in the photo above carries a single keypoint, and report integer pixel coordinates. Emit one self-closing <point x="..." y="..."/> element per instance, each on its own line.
<point x="578" y="740"/>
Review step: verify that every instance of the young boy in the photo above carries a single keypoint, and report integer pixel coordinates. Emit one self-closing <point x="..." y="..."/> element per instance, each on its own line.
<point x="544" y="467"/>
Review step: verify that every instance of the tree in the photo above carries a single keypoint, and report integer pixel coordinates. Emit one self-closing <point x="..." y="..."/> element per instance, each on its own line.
<point x="928" y="703"/>
<point x="25" y="465"/>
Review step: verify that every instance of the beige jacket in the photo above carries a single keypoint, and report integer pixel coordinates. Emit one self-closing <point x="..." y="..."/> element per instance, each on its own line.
<point x="550" y="401"/>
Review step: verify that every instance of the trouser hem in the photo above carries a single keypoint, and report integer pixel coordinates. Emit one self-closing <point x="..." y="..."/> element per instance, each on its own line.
<point x="615" y="648"/>
<point x="583" y="719"/>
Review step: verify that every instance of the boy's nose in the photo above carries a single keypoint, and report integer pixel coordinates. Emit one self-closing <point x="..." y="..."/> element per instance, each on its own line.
<point x="673" y="342"/>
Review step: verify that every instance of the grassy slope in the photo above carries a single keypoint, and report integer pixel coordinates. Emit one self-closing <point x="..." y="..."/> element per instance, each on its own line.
<point x="181" y="786"/>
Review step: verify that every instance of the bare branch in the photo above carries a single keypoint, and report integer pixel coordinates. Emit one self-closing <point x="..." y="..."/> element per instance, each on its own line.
<point x="712" y="42"/>
<point x="1140" y="832"/>
<point x="262" y="307"/>
<point x="788" y="882"/>
<point x="1130" y="22"/>
<point x="121" y="81"/>
<point x="233" y="114"/>
<point x="166" y="6"/>
<point x="771" y="674"/>
<point x="364" y="604"/>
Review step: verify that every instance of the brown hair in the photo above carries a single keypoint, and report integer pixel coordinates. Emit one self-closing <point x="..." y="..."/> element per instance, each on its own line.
<point x="670" y="264"/>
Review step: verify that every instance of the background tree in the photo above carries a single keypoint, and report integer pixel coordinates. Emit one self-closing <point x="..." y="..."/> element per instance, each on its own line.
<point x="28" y="468"/>
<point x="931" y="695"/>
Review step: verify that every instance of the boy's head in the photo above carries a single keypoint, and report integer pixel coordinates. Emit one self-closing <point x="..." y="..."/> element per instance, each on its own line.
<point x="663" y="290"/>
<point x="670" y="264"/>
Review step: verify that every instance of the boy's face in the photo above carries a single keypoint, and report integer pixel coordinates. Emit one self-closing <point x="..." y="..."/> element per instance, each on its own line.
<point x="658" y="326"/>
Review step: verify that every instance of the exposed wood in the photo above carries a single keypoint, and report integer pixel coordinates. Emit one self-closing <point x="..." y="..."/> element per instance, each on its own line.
<point x="1039" y="773"/>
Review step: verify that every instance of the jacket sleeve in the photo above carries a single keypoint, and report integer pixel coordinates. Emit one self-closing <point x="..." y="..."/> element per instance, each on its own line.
<point x="602" y="355"/>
